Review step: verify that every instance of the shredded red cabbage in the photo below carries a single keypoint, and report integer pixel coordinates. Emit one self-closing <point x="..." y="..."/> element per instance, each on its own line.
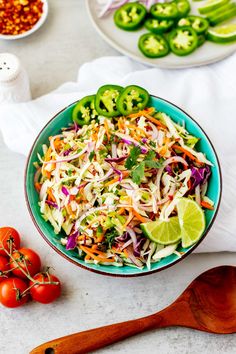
<point x="65" y="191"/>
<point x="54" y="205"/>
<point x="71" y="242"/>
<point x="200" y="175"/>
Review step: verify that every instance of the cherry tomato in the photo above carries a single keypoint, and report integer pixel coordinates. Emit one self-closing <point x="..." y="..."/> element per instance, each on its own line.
<point x="45" y="293"/>
<point x="28" y="260"/>
<point x="4" y="266"/>
<point x="8" y="234"/>
<point x="10" y="292"/>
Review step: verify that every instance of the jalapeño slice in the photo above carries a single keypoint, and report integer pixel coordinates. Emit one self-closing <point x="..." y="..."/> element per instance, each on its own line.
<point x="84" y="110"/>
<point x="183" y="7"/>
<point x="106" y="98"/>
<point x="130" y="17"/>
<point x="153" y="45"/>
<point x="199" y="24"/>
<point x="164" y="11"/>
<point x="183" y="40"/>
<point x="132" y="99"/>
<point x="158" y="26"/>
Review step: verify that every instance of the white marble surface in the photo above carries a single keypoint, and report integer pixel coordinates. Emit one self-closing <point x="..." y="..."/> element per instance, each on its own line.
<point x="53" y="56"/>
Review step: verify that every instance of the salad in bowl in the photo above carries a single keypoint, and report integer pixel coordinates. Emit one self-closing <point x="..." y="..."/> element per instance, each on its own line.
<point x="124" y="185"/>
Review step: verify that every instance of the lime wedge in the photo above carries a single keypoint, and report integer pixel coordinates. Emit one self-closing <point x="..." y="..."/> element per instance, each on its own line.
<point x="163" y="232"/>
<point x="211" y="5"/>
<point x="222" y="34"/>
<point x="191" y="220"/>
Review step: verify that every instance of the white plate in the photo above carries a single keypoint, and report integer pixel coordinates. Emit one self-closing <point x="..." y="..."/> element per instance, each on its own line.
<point x="33" y="29"/>
<point x="126" y="43"/>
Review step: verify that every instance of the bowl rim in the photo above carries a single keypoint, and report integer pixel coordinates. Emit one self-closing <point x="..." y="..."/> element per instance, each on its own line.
<point x="101" y="272"/>
<point x="36" y="26"/>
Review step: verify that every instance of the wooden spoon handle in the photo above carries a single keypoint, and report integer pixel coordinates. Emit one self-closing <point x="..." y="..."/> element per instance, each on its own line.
<point x="87" y="341"/>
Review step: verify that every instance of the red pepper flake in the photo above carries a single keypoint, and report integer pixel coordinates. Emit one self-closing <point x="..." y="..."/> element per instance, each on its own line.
<point x="19" y="16"/>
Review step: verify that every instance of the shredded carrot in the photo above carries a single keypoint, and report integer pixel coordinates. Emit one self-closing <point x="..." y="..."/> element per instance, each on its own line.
<point x="58" y="143"/>
<point x="121" y="211"/>
<point x="69" y="210"/>
<point x="140" y="217"/>
<point x="107" y="129"/>
<point x="130" y="217"/>
<point x="155" y="121"/>
<point x="114" y="180"/>
<point x="37" y="186"/>
<point x="50" y="195"/>
<point x="186" y="152"/>
<point x="47" y="156"/>
<point x="141" y="113"/>
<point x="89" y="252"/>
<point x="100" y="238"/>
<point x="206" y="205"/>
<point x="126" y="253"/>
<point x="87" y="257"/>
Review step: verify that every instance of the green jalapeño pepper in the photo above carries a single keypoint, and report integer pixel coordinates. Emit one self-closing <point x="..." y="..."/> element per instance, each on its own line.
<point x="158" y="26"/>
<point x="130" y="17"/>
<point x="164" y="11"/>
<point x="153" y="45"/>
<point x="132" y="100"/>
<point x="183" y="7"/>
<point x="106" y="98"/>
<point x="199" y="24"/>
<point x="201" y="39"/>
<point x="84" y="110"/>
<point x="183" y="40"/>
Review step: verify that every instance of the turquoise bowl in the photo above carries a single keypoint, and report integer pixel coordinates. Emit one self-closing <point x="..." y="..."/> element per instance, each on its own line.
<point x="62" y="119"/>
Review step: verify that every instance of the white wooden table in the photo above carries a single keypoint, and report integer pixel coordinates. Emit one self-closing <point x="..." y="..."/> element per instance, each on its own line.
<point x="52" y="56"/>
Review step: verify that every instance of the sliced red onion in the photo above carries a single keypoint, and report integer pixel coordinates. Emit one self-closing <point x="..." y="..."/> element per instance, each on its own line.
<point x="66" y="152"/>
<point x="37" y="175"/>
<point x="65" y="191"/>
<point x="69" y="158"/>
<point x="113" y="150"/>
<point x="123" y="238"/>
<point x="144" y="140"/>
<point x="175" y="159"/>
<point x="128" y="142"/>
<point x="111" y="5"/>
<point x="116" y="159"/>
<point x="119" y="173"/>
<point x="126" y="244"/>
<point x="133" y="259"/>
<point x="76" y="127"/>
<point x="54" y="205"/>
<point x="71" y="242"/>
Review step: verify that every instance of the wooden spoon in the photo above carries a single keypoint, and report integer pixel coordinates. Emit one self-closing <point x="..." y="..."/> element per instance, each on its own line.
<point x="208" y="304"/>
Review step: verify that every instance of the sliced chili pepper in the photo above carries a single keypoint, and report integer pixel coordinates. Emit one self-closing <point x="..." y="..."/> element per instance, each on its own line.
<point x="153" y="45"/>
<point x="201" y="39"/>
<point x="130" y="17"/>
<point x="158" y="26"/>
<point x="199" y="24"/>
<point x="132" y="99"/>
<point x="84" y="110"/>
<point x="183" y="7"/>
<point x="106" y="98"/>
<point x="164" y="11"/>
<point x="183" y="40"/>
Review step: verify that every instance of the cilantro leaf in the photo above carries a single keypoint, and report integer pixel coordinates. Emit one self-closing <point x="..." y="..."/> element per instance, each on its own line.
<point x="110" y="236"/>
<point x="132" y="159"/>
<point x="138" y="173"/>
<point x="91" y="155"/>
<point x="150" y="155"/>
<point x="153" y="164"/>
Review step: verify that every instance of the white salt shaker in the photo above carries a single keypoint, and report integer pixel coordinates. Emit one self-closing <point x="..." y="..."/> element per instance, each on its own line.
<point x="14" y="81"/>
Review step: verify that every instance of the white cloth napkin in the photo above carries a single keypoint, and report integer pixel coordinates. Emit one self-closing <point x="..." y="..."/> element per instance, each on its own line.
<point x="207" y="93"/>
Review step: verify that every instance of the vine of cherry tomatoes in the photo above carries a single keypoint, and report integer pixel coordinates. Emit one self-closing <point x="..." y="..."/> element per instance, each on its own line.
<point x="20" y="276"/>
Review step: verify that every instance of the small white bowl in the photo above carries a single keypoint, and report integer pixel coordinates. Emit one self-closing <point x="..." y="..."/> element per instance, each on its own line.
<point x="37" y="25"/>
